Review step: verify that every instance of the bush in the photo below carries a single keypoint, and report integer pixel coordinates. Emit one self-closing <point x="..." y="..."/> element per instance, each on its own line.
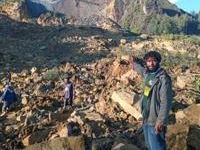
<point x="162" y="24"/>
<point x="52" y="74"/>
<point x="197" y="83"/>
<point x="184" y="38"/>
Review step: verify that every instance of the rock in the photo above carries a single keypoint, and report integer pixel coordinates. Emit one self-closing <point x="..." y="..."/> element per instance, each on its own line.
<point x="44" y="88"/>
<point x="184" y="133"/>
<point x="50" y="19"/>
<point x="73" y="129"/>
<point x="125" y="101"/>
<point x="184" y="80"/>
<point x="33" y="70"/>
<point x="94" y="116"/>
<point x="14" y="75"/>
<point x="77" y="119"/>
<point x="102" y="107"/>
<point x="11" y="115"/>
<point x="94" y="129"/>
<point x="24" y="73"/>
<point x="63" y="132"/>
<point x="123" y="41"/>
<point x="131" y="74"/>
<point x="188" y="114"/>
<point x="54" y="136"/>
<point x="59" y="116"/>
<point x="144" y="36"/>
<point x="176" y="136"/>
<point x="27" y="81"/>
<point x="88" y="130"/>
<point x="71" y="143"/>
<point x="9" y="129"/>
<point x="30" y="118"/>
<point x="50" y="85"/>
<point x="122" y="146"/>
<point x="103" y="143"/>
<point x="67" y="67"/>
<point x="180" y="115"/>
<point x="180" y="82"/>
<point x="24" y="101"/>
<point x="21" y="118"/>
<point x="36" y="78"/>
<point x="70" y="129"/>
<point x="125" y="57"/>
<point x="40" y="89"/>
<point x="193" y="139"/>
<point x="116" y="69"/>
<point x="13" y="10"/>
<point x="36" y="137"/>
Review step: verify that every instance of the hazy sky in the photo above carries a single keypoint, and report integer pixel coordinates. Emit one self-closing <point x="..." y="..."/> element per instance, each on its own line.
<point x="187" y="5"/>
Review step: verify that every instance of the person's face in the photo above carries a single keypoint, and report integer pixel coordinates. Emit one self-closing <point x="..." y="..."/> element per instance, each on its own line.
<point x="151" y="63"/>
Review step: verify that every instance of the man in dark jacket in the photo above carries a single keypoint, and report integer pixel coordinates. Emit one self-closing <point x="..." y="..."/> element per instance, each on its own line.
<point x="156" y="99"/>
<point x="68" y="93"/>
<point x="8" y="98"/>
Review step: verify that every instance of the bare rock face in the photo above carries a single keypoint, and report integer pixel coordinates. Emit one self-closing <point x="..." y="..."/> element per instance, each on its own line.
<point x="150" y="7"/>
<point x="79" y="9"/>
<point x="15" y="10"/>
<point x="49" y="19"/>
<point x="115" y="10"/>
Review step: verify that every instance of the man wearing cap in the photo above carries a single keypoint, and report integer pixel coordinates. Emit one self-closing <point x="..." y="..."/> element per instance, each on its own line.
<point x="156" y="99"/>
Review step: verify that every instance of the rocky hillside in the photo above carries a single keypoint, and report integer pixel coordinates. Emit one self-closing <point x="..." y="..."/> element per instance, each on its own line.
<point x="41" y="53"/>
<point x="139" y="16"/>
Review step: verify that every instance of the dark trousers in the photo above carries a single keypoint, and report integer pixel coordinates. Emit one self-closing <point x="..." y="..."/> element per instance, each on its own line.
<point x="5" y="106"/>
<point x="67" y="101"/>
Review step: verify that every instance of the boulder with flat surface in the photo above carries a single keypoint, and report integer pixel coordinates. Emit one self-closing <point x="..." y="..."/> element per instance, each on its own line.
<point x="125" y="100"/>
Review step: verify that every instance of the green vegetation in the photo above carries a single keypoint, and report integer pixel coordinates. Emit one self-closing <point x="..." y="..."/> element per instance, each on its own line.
<point x="197" y="83"/>
<point x="163" y="24"/>
<point x="182" y="59"/>
<point x="184" y="38"/>
<point x="52" y="74"/>
<point x="162" y="18"/>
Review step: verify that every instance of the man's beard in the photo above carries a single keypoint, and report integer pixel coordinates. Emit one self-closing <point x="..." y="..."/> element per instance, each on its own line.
<point x="153" y="69"/>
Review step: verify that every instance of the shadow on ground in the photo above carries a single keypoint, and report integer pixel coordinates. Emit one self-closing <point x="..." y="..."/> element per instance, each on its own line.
<point x="26" y="45"/>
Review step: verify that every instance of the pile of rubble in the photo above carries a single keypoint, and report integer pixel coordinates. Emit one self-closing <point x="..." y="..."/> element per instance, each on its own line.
<point x="105" y="114"/>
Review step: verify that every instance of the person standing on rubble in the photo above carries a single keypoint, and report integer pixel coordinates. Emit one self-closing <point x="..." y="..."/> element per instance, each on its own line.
<point x="156" y="99"/>
<point x="9" y="97"/>
<point x="68" y="93"/>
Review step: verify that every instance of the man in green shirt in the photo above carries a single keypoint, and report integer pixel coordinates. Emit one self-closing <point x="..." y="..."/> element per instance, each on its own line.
<point x="156" y="99"/>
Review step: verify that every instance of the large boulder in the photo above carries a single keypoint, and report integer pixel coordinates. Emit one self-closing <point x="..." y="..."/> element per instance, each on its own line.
<point x="68" y="143"/>
<point x="184" y="80"/>
<point x="123" y="144"/>
<point x="70" y="129"/>
<point x="36" y="137"/>
<point x="126" y="101"/>
<point x="185" y="133"/>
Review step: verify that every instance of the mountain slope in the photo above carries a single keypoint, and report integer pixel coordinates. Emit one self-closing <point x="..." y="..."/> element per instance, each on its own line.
<point x="141" y="16"/>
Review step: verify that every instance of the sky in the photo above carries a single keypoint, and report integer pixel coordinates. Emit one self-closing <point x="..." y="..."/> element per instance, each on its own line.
<point x="187" y="5"/>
